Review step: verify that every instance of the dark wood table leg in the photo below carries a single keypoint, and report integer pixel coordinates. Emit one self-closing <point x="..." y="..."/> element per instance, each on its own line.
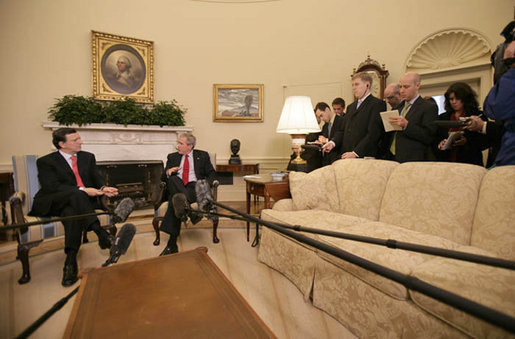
<point x="248" y="211"/>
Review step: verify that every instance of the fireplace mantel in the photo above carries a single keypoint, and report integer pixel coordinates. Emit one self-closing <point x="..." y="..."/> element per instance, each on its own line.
<point x="112" y="142"/>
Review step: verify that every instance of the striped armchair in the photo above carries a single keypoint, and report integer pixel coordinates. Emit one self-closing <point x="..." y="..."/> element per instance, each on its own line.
<point x="26" y="185"/>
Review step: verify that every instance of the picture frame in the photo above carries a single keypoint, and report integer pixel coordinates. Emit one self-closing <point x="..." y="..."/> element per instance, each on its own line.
<point x="122" y="67"/>
<point x="237" y="103"/>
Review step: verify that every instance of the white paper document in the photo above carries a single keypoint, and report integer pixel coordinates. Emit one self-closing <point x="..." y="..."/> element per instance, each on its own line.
<point x="453" y="136"/>
<point x="386" y="123"/>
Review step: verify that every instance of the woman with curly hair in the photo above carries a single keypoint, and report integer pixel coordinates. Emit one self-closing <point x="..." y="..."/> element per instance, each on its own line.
<point x="467" y="147"/>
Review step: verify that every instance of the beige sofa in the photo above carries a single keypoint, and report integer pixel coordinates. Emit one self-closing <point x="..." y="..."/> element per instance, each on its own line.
<point x="453" y="206"/>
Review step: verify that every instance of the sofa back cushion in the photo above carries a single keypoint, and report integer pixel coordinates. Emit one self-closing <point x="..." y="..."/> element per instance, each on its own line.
<point x="433" y="197"/>
<point x="494" y="221"/>
<point x="361" y="184"/>
<point x="314" y="190"/>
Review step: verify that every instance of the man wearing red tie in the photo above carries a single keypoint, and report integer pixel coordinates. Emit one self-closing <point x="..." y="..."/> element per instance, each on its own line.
<point x="70" y="185"/>
<point x="183" y="169"/>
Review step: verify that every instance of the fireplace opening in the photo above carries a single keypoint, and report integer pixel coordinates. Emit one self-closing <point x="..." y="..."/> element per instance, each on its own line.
<point x="138" y="180"/>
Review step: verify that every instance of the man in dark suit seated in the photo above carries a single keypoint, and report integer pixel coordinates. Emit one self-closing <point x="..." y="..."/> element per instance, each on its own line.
<point x="183" y="169"/>
<point x="416" y="119"/>
<point x="361" y="127"/>
<point x="70" y="185"/>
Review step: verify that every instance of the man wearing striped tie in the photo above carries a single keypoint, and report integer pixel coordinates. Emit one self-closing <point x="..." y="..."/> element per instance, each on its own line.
<point x="416" y="120"/>
<point x="70" y="185"/>
<point x="183" y="169"/>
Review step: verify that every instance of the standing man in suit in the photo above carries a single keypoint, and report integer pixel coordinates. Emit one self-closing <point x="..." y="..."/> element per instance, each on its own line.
<point x="338" y="106"/>
<point x="416" y="119"/>
<point x="183" y="169"/>
<point x="332" y="124"/>
<point x="361" y="127"/>
<point x="70" y="185"/>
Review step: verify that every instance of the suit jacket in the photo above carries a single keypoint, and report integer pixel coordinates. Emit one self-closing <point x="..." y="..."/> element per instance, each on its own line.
<point x="329" y="158"/>
<point x="56" y="176"/>
<point x="361" y="128"/>
<point x="201" y="164"/>
<point x="412" y="143"/>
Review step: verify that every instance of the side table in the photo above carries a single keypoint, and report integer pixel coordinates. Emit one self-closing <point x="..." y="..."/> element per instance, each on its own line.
<point x="252" y="168"/>
<point x="264" y="186"/>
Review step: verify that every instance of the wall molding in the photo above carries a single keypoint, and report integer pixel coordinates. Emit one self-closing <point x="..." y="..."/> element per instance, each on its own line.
<point x="449" y="49"/>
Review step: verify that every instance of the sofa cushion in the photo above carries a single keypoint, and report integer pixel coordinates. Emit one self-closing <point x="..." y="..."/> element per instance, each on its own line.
<point x="399" y="260"/>
<point x="314" y="190"/>
<point x="433" y="197"/>
<point x="490" y="286"/>
<point x="360" y="184"/>
<point x="312" y="218"/>
<point x="494" y="220"/>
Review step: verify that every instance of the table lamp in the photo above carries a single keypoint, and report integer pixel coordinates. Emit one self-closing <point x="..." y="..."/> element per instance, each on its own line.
<point x="297" y="119"/>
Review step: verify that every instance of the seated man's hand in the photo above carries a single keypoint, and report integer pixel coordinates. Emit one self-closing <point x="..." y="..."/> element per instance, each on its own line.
<point x="172" y="170"/>
<point x="109" y="191"/>
<point x="93" y="192"/>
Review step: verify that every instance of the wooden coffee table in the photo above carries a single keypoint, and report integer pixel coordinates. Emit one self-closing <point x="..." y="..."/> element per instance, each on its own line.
<point x="183" y="295"/>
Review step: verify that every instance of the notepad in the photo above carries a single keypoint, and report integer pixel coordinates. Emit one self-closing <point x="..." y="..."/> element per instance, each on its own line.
<point x="386" y="122"/>
<point x="453" y="136"/>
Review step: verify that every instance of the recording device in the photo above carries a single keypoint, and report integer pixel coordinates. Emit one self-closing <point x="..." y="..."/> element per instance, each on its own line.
<point x="451" y="123"/>
<point x="180" y="206"/>
<point x="315" y="147"/>
<point x="123" y="210"/>
<point x="121" y="244"/>
<point x="204" y="197"/>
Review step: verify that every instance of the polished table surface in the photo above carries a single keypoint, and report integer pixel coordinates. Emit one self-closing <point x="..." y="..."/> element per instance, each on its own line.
<point x="183" y="295"/>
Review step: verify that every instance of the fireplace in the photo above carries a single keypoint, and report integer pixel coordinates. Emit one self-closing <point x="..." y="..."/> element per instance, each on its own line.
<point x="138" y="180"/>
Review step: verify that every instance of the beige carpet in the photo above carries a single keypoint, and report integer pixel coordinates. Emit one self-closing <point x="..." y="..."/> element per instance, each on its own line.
<point x="277" y="301"/>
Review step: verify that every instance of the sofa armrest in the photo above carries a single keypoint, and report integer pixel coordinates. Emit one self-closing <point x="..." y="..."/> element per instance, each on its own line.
<point x="283" y="205"/>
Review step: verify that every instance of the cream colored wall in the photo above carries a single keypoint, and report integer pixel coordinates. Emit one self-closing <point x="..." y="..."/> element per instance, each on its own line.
<point x="300" y="44"/>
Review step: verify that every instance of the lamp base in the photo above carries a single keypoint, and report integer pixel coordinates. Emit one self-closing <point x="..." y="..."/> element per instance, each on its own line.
<point x="297" y="167"/>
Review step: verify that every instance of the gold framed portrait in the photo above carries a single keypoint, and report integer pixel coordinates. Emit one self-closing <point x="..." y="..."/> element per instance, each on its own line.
<point x="237" y="103"/>
<point x="122" y="67"/>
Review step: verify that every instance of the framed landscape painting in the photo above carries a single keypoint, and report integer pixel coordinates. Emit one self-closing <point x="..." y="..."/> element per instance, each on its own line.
<point x="122" y="67"/>
<point x="238" y="103"/>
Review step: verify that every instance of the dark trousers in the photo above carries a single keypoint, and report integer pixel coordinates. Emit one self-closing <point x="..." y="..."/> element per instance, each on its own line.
<point x="171" y="224"/>
<point x="74" y="202"/>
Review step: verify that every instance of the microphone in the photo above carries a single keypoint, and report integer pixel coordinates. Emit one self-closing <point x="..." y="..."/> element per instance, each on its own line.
<point x="180" y="206"/>
<point x="121" y="244"/>
<point x="314" y="147"/>
<point x="122" y="211"/>
<point x="204" y="198"/>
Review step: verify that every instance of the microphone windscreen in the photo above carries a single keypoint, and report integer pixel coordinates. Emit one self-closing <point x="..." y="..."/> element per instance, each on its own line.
<point x="203" y="191"/>
<point x="180" y="205"/>
<point x="122" y="211"/>
<point x="123" y="239"/>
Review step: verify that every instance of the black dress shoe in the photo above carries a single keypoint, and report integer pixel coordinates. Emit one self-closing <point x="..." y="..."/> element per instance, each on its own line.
<point x="169" y="249"/>
<point x="69" y="275"/>
<point x="104" y="239"/>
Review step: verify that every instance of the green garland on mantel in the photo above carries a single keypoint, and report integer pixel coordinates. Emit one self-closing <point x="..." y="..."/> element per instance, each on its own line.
<point x="79" y="110"/>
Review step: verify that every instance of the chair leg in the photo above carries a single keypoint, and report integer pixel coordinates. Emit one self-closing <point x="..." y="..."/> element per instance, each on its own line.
<point x="155" y="224"/>
<point x="23" y="256"/>
<point x="215" y="228"/>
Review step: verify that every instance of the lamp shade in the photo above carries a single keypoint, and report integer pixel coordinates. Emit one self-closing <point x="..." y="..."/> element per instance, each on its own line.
<point x="297" y="116"/>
